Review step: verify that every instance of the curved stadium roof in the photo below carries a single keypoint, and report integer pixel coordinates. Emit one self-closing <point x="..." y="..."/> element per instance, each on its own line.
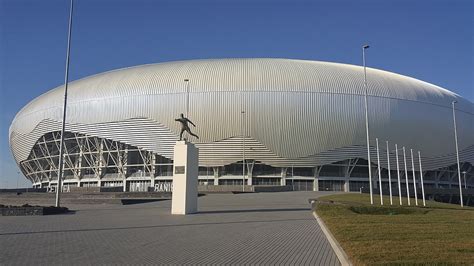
<point x="295" y="110"/>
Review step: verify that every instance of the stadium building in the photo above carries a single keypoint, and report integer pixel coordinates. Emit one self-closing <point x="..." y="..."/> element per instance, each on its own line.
<point x="291" y="122"/>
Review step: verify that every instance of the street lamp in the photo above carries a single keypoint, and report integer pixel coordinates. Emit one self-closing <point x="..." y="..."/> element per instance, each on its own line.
<point x="63" y="126"/>
<point x="243" y="149"/>
<point x="367" y="123"/>
<point x="457" y="152"/>
<point x="187" y="97"/>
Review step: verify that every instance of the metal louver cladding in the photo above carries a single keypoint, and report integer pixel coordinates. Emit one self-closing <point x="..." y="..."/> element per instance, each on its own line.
<point x="297" y="113"/>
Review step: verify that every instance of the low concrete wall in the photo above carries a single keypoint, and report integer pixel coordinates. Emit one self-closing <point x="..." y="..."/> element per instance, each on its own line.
<point x="224" y="188"/>
<point x="238" y="188"/>
<point x="141" y="195"/>
<point x="83" y="189"/>
<point x="94" y="189"/>
<point x="48" y="199"/>
<point x="111" y="189"/>
<point x="21" y="190"/>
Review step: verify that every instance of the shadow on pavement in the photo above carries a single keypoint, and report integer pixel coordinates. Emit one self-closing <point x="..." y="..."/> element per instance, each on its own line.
<point x="139" y="201"/>
<point x="256" y="210"/>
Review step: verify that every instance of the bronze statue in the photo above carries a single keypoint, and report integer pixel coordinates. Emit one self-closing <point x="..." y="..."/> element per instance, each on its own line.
<point x="184" y="126"/>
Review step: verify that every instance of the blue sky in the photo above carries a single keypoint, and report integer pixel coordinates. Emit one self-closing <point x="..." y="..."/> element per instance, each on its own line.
<point x="429" y="40"/>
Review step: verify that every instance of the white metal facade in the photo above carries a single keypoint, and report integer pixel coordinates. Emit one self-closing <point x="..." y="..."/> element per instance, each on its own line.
<point x="297" y="112"/>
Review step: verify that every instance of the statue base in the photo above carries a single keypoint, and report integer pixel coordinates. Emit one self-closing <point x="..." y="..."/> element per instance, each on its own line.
<point x="185" y="178"/>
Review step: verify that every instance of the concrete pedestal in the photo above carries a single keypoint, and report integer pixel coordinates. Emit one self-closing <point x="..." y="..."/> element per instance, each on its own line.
<point x="185" y="178"/>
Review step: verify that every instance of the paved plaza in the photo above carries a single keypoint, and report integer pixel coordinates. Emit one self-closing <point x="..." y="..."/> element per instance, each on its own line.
<point x="250" y="228"/>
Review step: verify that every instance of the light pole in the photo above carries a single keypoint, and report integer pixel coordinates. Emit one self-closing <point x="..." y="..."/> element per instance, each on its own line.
<point x="367" y="124"/>
<point x="457" y="153"/>
<point x="465" y="184"/>
<point x="243" y="150"/>
<point x="187" y="97"/>
<point x="63" y="127"/>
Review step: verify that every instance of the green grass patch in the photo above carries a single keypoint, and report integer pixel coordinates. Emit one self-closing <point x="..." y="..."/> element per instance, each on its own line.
<point x="373" y="210"/>
<point x="439" y="233"/>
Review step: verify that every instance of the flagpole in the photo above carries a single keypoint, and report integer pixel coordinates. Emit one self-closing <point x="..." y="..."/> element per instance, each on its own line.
<point x="389" y="174"/>
<point x="406" y="175"/>
<point x="378" y="170"/>
<point x="421" y="177"/>
<point x="398" y="175"/>
<point x="414" y="177"/>
<point x="63" y="126"/>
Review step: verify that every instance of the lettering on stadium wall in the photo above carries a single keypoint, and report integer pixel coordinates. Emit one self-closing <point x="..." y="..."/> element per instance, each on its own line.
<point x="164" y="187"/>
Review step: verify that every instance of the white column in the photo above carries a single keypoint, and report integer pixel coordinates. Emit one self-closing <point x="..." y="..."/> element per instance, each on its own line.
<point x="215" y="170"/>
<point x="316" y="184"/>
<point x="316" y="178"/>
<point x="283" y="176"/>
<point x="346" y="176"/>
<point x="249" y="178"/>
<point x="100" y="164"/>
<point x="153" y="170"/>
<point x="125" y="169"/>
<point x="346" y="185"/>
<point x="101" y="160"/>
<point x="80" y="172"/>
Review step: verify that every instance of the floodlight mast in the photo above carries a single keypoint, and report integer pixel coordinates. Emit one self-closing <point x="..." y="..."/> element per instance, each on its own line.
<point x="242" y="129"/>
<point x="187" y="97"/>
<point x="457" y="153"/>
<point x="63" y="126"/>
<point x="367" y="124"/>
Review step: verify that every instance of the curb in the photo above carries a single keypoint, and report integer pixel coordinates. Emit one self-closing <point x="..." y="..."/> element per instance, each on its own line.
<point x="341" y="255"/>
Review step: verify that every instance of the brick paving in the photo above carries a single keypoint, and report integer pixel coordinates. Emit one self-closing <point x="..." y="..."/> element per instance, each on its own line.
<point x="253" y="228"/>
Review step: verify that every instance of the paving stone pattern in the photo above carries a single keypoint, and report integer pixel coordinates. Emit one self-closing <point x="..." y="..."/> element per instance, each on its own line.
<point x="253" y="228"/>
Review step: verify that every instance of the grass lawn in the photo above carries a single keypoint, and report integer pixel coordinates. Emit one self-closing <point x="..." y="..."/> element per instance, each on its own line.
<point x="437" y="234"/>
